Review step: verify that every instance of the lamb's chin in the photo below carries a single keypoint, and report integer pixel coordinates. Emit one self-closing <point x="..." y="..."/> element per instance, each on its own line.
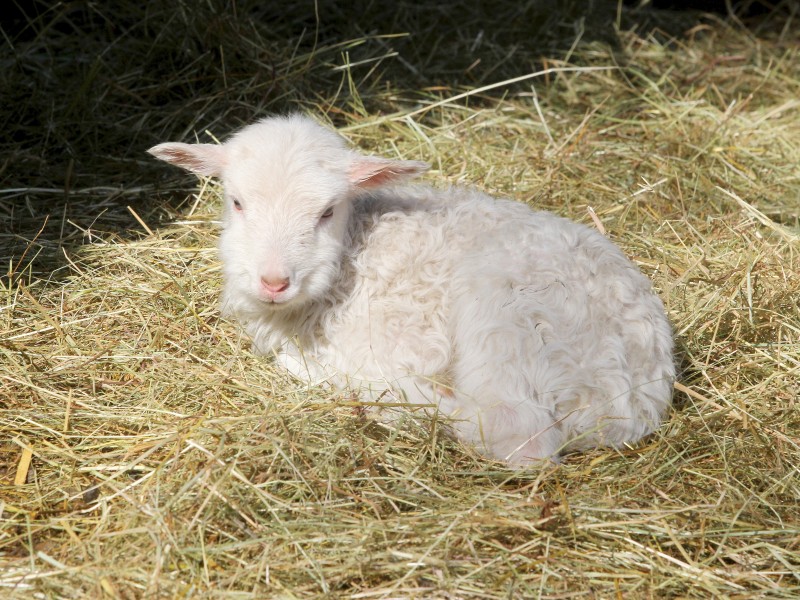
<point x="277" y="305"/>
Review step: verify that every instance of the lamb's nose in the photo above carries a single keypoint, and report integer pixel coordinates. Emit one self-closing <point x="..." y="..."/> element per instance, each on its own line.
<point x="275" y="285"/>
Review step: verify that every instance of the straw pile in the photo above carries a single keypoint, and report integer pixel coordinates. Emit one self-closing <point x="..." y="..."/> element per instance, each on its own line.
<point x="145" y="452"/>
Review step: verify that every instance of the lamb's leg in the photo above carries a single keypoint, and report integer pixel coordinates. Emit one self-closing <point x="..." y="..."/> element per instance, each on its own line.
<point x="500" y="370"/>
<point x="494" y="405"/>
<point x="302" y="366"/>
<point x="516" y="432"/>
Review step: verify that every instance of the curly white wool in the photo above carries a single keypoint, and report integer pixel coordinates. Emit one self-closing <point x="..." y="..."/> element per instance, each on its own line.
<point x="533" y="334"/>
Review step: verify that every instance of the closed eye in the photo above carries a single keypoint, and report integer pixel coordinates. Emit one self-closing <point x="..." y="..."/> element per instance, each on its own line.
<point x="237" y="205"/>
<point x="328" y="213"/>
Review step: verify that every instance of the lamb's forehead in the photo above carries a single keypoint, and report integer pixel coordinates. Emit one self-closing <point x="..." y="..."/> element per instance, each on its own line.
<point x="285" y="151"/>
<point x="290" y="138"/>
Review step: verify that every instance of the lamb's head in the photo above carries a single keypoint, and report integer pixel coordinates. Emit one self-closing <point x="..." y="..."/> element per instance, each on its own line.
<point x="289" y="185"/>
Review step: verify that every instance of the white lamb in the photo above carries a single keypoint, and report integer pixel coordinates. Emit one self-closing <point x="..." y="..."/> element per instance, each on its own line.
<point x="534" y="335"/>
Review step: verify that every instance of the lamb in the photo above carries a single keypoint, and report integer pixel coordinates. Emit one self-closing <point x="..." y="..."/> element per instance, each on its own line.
<point x="534" y="335"/>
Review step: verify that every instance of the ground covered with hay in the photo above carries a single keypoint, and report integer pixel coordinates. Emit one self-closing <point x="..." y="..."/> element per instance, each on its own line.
<point x="145" y="452"/>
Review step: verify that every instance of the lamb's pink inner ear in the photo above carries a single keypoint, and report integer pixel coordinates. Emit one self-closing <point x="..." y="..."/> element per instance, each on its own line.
<point x="203" y="159"/>
<point x="369" y="172"/>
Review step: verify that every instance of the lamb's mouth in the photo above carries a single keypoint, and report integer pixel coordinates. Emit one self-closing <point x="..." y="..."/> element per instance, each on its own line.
<point x="281" y="301"/>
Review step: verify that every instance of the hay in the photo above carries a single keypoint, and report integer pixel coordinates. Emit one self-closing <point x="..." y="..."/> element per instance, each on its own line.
<point x="145" y="452"/>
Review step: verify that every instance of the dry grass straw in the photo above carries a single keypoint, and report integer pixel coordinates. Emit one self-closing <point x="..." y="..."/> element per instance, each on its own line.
<point x="145" y="452"/>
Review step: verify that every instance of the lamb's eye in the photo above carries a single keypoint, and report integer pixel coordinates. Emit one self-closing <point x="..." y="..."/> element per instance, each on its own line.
<point x="328" y="213"/>
<point x="237" y="205"/>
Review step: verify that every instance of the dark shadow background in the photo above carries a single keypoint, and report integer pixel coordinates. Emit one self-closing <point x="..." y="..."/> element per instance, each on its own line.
<point x="87" y="87"/>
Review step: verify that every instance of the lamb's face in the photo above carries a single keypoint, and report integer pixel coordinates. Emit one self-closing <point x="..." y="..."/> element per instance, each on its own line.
<point x="287" y="206"/>
<point x="288" y="189"/>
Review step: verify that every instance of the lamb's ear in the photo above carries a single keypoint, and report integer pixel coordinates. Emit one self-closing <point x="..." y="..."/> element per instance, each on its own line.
<point x="372" y="171"/>
<point x="203" y="159"/>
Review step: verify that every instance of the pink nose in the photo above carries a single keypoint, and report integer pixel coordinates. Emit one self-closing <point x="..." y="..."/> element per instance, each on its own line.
<point x="275" y="285"/>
